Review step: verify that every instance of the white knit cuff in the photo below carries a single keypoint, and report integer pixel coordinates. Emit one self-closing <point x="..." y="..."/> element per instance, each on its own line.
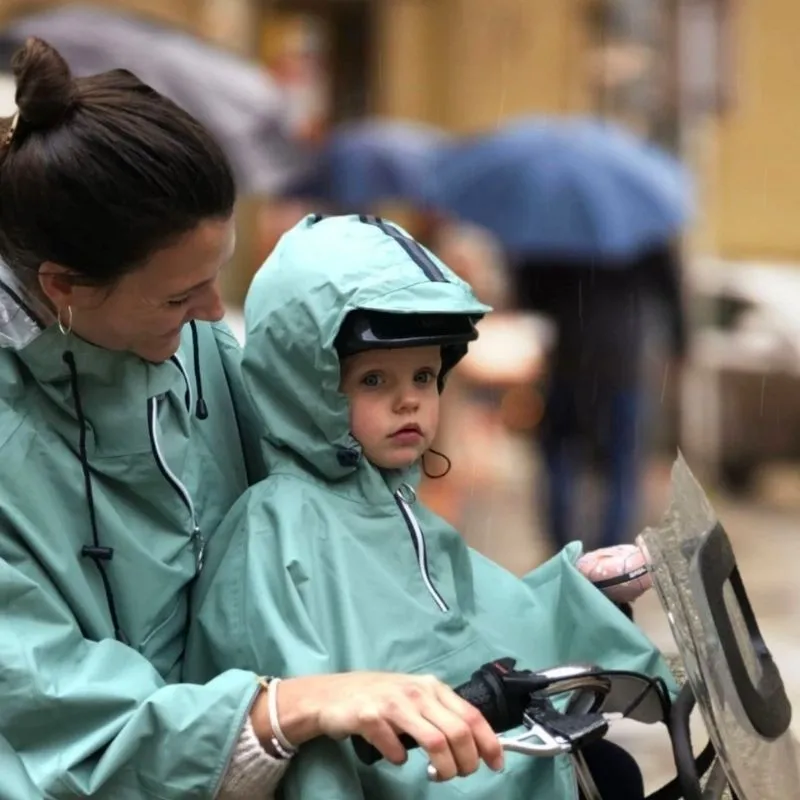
<point x="253" y="773"/>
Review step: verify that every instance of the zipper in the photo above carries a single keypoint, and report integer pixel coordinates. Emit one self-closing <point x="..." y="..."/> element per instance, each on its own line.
<point x="197" y="540"/>
<point x="418" y="540"/>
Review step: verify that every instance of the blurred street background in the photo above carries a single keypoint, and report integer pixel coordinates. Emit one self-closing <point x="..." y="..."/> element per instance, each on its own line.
<point x="620" y="179"/>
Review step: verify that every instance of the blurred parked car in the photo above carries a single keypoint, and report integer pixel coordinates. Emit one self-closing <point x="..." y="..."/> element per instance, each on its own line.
<point x="741" y="399"/>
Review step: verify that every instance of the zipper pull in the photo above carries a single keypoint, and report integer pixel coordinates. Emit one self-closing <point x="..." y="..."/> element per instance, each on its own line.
<point x="199" y="544"/>
<point x="406" y="493"/>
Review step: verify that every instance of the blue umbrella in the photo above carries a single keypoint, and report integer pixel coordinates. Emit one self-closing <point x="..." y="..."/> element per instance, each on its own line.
<point x="564" y="188"/>
<point x="370" y="161"/>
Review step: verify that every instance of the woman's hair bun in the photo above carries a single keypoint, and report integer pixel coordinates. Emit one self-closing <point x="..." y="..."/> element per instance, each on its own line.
<point x="45" y="87"/>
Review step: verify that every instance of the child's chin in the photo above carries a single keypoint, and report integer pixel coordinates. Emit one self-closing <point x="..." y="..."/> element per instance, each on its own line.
<point x="395" y="462"/>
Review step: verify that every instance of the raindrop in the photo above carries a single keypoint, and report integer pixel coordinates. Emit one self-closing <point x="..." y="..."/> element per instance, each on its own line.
<point x="503" y="87"/>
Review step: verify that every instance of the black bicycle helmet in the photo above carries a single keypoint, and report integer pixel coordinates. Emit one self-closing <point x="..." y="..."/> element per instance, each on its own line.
<point x="382" y="330"/>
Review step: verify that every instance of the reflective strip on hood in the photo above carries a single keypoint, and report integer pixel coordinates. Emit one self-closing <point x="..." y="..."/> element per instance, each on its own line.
<point x="412" y="248"/>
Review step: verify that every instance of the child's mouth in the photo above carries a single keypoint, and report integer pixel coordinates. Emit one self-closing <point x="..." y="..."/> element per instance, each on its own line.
<point x="407" y="434"/>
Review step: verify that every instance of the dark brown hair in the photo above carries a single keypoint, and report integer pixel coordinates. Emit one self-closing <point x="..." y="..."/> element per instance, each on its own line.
<point x="100" y="172"/>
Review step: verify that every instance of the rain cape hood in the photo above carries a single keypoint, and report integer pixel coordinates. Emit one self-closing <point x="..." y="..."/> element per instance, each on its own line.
<point x="330" y="565"/>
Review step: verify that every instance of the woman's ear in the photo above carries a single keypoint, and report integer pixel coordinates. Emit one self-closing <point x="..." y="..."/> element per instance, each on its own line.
<point x="55" y="283"/>
<point x="59" y="286"/>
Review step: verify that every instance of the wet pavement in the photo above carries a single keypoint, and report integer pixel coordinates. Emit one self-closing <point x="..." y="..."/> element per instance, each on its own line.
<point x="501" y="520"/>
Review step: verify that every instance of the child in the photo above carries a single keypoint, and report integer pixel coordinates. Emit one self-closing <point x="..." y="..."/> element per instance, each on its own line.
<point x="331" y="564"/>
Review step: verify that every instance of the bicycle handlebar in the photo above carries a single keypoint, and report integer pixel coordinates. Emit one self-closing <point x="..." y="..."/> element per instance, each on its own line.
<point x="503" y="695"/>
<point x="498" y="691"/>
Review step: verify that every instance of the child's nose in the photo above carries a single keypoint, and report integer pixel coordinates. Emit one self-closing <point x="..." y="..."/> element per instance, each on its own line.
<point x="408" y="398"/>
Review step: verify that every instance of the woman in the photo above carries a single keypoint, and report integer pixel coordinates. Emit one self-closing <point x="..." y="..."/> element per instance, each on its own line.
<point x="121" y="422"/>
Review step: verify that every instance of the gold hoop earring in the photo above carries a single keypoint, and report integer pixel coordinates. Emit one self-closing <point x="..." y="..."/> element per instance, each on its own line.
<point x="65" y="329"/>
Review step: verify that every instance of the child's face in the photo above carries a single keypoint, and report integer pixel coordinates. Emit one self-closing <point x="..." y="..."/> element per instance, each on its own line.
<point x="394" y="402"/>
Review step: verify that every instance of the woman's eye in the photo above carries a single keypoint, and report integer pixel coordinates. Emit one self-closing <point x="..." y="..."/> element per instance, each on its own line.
<point x="180" y="301"/>
<point x="371" y="380"/>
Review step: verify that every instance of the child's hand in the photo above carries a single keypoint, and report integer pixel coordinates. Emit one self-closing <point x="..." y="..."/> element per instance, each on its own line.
<point x="620" y="572"/>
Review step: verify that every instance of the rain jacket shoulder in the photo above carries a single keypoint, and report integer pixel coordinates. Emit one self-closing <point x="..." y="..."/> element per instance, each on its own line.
<point x="330" y="564"/>
<point x="88" y="706"/>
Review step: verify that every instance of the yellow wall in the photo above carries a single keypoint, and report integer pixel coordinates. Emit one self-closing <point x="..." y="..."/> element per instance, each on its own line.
<point x="169" y="10"/>
<point x="755" y="155"/>
<point x="228" y="21"/>
<point x="467" y="64"/>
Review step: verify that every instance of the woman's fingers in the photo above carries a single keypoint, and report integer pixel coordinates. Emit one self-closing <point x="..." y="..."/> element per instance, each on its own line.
<point x="379" y="733"/>
<point x="484" y="738"/>
<point x="453" y="750"/>
<point x="442" y="734"/>
<point x="380" y="706"/>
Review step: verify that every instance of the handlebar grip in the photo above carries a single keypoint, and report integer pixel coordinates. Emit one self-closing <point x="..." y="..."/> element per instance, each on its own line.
<point x="369" y="754"/>
<point x="476" y="692"/>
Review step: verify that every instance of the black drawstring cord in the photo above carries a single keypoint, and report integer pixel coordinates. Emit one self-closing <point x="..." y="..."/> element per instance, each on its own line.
<point x="95" y="551"/>
<point x="201" y="409"/>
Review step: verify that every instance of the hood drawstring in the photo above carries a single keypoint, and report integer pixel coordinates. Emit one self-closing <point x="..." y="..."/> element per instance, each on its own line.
<point x="95" y="551"/>
<point x="201" y="409"/>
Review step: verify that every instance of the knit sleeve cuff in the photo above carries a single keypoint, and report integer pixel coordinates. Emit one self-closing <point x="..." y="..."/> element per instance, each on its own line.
<point x="253" y="773"/>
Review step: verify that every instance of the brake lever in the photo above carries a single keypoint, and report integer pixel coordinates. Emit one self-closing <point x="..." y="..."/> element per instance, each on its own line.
<point x="577" y="729"/>
<point x="542" y="741"/>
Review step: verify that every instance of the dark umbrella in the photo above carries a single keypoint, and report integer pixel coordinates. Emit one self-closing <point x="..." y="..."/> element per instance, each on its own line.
<point x="235" y="99"/>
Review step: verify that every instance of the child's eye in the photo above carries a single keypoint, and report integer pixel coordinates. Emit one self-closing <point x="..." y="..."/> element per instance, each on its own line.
<point x="372" y="380"/>
<point x="180" y="301"/>
<point x="425" y="376"/>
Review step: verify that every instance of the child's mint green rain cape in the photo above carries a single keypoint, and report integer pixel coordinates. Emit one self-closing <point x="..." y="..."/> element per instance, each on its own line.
<point x="326" y="566"/>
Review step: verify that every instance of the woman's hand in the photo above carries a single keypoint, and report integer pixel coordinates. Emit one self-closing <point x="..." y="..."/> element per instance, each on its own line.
<point x="379" y="706"/>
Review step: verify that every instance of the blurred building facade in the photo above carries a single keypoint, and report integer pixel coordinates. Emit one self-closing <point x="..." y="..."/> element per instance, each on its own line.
<point x="707" y="77"/>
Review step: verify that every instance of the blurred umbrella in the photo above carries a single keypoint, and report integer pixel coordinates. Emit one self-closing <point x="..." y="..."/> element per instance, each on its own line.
<point x="234" y="98"/>
<point x="370" y="161"/>
<point x="564" y="188"/>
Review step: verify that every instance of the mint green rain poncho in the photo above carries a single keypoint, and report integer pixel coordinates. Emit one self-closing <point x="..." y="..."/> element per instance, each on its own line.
<point x="329" y="565"/>
<point x="88" y="703"/>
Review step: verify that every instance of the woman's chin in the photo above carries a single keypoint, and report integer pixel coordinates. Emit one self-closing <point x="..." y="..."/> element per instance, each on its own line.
<point x="161" y="349"/>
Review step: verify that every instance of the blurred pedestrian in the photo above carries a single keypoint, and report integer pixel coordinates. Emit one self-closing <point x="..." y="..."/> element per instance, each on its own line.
<point x="598" y="406"/>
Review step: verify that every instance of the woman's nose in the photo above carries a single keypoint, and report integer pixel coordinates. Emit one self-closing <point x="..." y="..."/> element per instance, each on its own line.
<point x="211" y="308"/>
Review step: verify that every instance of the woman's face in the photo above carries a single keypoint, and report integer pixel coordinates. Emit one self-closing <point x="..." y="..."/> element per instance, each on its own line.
<point x="146" y="310"/>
